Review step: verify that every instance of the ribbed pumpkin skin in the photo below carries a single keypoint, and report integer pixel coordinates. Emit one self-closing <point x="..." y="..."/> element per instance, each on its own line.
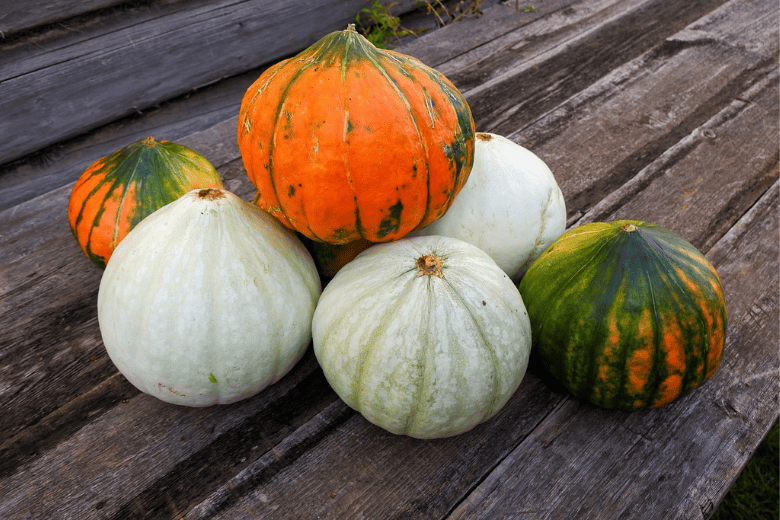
<point x="118" y="191"/>
<point x="625" y="314"/>
<point x="511" y="207"/>
<point x="417" y="353"/>
<point x="346" y="141"/>
<point x="207" y="301"/>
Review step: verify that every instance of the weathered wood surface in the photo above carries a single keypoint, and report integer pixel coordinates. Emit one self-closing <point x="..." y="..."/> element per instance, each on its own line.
<point x="641" y="109"/>
<point x="16" y="17"/>
<point x="125" y="62"/>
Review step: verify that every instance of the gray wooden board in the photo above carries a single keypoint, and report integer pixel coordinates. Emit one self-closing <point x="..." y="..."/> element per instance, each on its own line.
<point x="656" y="98"/>
<point x="361" y="471"/>
<point x="18" y="16"/>
<point x="97" y="74"/>
<point x="471" y="34"/>
<point x="68" y="410"/>
<point x="136" y="459"/>
<point x="628" y="29"/>
<point x="64" y="162"/>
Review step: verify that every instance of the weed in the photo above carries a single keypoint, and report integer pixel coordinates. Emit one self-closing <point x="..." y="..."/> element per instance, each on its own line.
<point x="445" y="15"/>
<point x="378" y="24"/>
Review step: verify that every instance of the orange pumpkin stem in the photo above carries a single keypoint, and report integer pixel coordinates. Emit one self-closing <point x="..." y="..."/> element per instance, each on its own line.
<point x="149" y="141"/>
<point x="430" y="264"/>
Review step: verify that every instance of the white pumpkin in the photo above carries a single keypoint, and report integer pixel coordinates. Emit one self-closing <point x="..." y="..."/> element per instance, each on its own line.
<point x="510" y="207"/>
<point x="207" y="300"/>
<point x="424" y="336"/>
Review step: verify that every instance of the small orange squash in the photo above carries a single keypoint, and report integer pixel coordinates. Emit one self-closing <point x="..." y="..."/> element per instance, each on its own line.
<point x="346" y="141"/>
<point x="118" y="191"/>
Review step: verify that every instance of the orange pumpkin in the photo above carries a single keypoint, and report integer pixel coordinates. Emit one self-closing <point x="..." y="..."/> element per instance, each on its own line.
<point x="118" y="191"/>
<point x="346" y="141"/>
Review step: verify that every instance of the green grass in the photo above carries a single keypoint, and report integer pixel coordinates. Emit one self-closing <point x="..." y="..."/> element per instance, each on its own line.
<point x="755" y="494"/>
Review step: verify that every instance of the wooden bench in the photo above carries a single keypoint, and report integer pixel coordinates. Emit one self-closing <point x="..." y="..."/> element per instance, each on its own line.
<point x="647" y="109"/>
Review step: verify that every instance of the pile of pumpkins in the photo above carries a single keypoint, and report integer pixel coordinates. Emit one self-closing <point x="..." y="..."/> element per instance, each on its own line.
<point x="422" y="229"/>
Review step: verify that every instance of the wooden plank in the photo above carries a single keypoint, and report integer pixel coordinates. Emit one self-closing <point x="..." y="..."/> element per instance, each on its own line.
<point x="519" y="44"/>
<point x="748" y="119"/>
<point x="361" y="471"/>
<point x="740" y="23"/>
<point x="540" y="81"/>
<point x="17" y="16"/>
<point x="64" y="162"/>
<point x="140" y="458"/>
<point x="113" y="73"/>
<point x="496" y="23"/>
<point x="666" y="455"/>
<point x="657" y="99"/>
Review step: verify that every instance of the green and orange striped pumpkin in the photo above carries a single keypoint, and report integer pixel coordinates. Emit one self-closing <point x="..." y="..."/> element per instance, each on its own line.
<point x="625" y="314"/>
<point x="346" y="141"/>
<point x="118" y="191"/>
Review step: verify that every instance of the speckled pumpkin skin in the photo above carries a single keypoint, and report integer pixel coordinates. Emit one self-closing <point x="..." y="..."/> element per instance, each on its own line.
<point x="118" y="191"/>
<point x="625" y="314"/>
<point x="346" y="141"/>
<point x="424" y="336"/>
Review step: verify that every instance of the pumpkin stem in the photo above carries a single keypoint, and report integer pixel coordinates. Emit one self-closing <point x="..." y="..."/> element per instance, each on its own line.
<point x="351" y="27"/>
<point x="211" y="193"/>
<point x="484" y="137"/>
<point x="628" y="227"/>
<point x="429" y="264"/>
<point x="149" y="141"/>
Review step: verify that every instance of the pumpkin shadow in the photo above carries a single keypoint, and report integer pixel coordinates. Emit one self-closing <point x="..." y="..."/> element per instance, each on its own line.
<point x="537" y="368"/>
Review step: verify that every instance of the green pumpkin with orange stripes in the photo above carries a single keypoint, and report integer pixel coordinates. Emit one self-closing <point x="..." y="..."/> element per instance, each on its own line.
<point x="625" y="314"/>
<point x="118" y="191"/>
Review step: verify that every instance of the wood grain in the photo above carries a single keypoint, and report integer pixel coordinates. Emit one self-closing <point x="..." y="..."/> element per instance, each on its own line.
<point x="660" y="100"/>
<point x="17" y="17"/>
<point x="137" y="457"/>
<point x="106" y="73"/>
<point x="621" y="36"/>
<point x="63" y="162"/>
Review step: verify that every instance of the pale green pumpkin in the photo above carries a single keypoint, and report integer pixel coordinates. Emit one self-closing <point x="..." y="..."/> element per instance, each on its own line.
<point x="425" y="337"/>
<point x="207" y="301"/>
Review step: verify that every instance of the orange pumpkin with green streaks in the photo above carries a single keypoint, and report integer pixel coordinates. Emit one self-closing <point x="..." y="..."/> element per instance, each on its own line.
<point x="625" y="314"/>
<point x="118" y="191"/>
<point x="346" y="141"/>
